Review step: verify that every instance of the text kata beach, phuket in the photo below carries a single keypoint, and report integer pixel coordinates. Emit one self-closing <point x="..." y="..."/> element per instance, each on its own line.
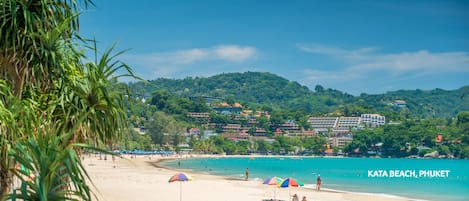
<point x="409" y="173"/>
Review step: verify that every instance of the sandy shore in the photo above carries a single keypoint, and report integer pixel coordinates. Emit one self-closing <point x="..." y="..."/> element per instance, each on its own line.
<point x="141" y="179"/>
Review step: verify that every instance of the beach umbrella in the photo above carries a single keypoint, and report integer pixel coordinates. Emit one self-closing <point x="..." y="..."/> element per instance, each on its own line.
<point x="273" y="181"/>
<point x="290" y="182"/>
<point x="181" y="177"/>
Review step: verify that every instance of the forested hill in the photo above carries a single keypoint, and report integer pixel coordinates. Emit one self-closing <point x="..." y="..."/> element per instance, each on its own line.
<point x="246" y="87"/>
<point x="267" y="89"/>
<point x="425" y="103"/>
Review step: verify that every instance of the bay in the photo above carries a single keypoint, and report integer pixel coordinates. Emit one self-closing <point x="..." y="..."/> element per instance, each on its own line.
<point x="426" y="179"/>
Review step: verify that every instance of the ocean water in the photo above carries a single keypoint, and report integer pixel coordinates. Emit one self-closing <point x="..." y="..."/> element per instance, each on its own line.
<point x="420" y="179"/>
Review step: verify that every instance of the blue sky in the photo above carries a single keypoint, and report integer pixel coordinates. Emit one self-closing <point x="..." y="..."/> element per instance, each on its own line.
<point x="353" y="46"/>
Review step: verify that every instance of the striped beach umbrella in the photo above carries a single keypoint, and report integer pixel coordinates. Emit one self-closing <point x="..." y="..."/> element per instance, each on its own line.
<point x="181" y="176"/>
<point x="290" y="182"/>
<point x="273" y="181"/>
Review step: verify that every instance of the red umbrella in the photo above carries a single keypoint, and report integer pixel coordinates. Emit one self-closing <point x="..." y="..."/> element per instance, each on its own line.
<point x="180" y="177"/>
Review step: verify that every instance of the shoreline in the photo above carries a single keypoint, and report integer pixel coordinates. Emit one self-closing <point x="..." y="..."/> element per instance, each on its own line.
<point x="139" y="178"/>
<point x="310" y="186"/>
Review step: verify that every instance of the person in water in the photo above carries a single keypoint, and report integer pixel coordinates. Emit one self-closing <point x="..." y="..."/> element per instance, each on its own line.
<point x="247" y="173"/>
<point x="318" y="183"/>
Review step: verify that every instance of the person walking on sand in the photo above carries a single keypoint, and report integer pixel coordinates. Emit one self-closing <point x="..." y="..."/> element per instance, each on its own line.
<point x="247" y="173"/>
<point x="304" y="198"/>
<point x="318" y="183"/>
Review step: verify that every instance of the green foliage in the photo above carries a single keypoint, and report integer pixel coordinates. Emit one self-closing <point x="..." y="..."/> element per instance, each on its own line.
<point x="265" y="90"/>
<point x="177" y="106"/>
<point x="133" y="140"/>
<point x="409" y="137"/>
<point x="286" y="100"/>
<point x="48" y="168"/>
<point x="53" y="98"/>
<point x="162" y="128"/>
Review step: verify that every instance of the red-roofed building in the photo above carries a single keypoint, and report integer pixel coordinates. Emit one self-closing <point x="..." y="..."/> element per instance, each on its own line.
<point x="439" y="138"/>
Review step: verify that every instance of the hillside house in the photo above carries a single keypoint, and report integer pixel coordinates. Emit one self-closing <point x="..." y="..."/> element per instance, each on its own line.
<point x="400" y="103"/>
<point x="290" y="126"/>
<point x="226" y="109"/>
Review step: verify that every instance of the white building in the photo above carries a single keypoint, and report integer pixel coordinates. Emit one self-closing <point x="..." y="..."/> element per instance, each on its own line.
<point x="348" y="122"/>
<point x="373" y="119"/>
<point x="340" y="141"/>
<point x="320" y="124"/>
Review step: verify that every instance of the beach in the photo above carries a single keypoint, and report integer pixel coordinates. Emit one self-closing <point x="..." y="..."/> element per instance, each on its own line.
<point x="142" y="179"/>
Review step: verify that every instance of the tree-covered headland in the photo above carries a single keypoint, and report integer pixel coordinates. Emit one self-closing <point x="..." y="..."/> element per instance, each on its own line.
<point x="434" y="120"/>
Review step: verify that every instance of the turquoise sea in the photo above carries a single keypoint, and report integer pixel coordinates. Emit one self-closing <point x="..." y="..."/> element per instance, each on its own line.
<point x="422" y="179"/>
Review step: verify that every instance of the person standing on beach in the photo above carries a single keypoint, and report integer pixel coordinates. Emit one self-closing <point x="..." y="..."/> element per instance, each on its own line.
<point x="318" y="183"/>
<point x="247" y="173"/>
<point x="295" y="197"/>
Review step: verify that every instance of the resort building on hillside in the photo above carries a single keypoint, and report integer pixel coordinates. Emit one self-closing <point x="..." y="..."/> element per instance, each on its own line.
<point x="400" y="103"/>
<point x="232" y="128"/>
<point x="226" y="109"/>
<point x="340" y="130"/>
<point x="194" y="131"/>
<point x="199" y="117"/>
<point x="252" y="121"/>
<point x="290" y="125"/>
<point x="308" y="133"/>
<point x="241" y="136"/>
<point x="198" y="114"/>
<point x="321" y="124"/>
<point x="373" y="119"/>
<point x="250" y="114"/>
<point x="259" y="132"/>
<point x="340" y="140"/>
<point x="346" y="122"/>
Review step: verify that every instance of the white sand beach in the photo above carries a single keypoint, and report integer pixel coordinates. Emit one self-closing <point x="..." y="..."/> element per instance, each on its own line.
<point x="140" y="179"/>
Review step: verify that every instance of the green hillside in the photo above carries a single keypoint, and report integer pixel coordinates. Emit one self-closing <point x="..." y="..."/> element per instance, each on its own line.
<point x="261" y="89"/>
<point x="424" y="104"/>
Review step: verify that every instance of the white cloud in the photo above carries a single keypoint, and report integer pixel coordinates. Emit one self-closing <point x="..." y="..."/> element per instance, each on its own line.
<point x="167" y="64"/>
<point x="186" y="56"/>
<point x="349" y="55"/>
<point x="421" y="61"/>
<point x="368" y="59"/>
<point x="363" y="66"/>
<point x="234" y="53"/>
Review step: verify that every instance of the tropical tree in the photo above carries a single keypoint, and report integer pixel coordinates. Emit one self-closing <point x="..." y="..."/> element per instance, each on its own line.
<point x="52" y="96"/>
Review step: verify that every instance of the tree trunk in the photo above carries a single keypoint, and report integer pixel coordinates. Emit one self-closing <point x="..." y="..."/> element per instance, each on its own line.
<point x="5" y="174"/>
